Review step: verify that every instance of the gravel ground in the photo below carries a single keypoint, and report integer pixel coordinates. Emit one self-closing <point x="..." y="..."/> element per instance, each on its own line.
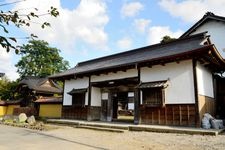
<point x="140" y="140"/>
<point x="69" y="138"/>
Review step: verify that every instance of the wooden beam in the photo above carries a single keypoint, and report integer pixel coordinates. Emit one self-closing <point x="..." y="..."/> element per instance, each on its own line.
<point x="197" y="116"/>
<point x="188" y="115"/>
<point x="136" y="107"/>
<point x="180" y="114"/>
<point x="159" y="116"/>
<point x="173" y="115"/>
<point x="165" y="116"/>
<point x="89" y="91"/>
<point x="137" y="101"/>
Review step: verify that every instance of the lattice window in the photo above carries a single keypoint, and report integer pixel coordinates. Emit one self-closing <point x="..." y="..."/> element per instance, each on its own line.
<point x="78" y="99"/>
<point x="153" y="96"/>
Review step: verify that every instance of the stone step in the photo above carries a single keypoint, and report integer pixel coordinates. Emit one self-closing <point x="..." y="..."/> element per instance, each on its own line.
<point x="99" y="128"/>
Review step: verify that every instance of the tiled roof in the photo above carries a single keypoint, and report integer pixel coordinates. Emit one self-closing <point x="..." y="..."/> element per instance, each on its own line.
<point x="41" y="85"/>
<point x="11" y="102"/>
<point x="144" y="54"/>
<point x="49" y="100"/>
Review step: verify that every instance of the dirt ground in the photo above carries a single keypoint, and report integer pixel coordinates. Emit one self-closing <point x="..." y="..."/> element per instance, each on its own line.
<point x="69" y="138"/>
<point x="141" y="140"/>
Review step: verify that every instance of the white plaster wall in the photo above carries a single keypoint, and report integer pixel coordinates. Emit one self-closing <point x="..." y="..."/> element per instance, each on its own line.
<point x="96" y="96"/>
<point x="205" y="81"/>
<point x="181" y="84"/>
<point x="112" y="76"/>
<point x="216" y="30"/>
<point x="105" y="96"/>
<point x="79" y="83"/>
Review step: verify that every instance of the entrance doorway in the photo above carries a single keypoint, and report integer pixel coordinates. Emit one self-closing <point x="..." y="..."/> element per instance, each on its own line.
<point x="123" y="110"/>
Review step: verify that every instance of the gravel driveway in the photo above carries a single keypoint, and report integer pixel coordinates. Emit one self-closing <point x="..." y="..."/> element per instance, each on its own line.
<point x="68" y="138"/>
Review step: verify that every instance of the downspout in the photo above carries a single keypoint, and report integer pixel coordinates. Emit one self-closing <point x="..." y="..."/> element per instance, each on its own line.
<point x="197" y="115"/>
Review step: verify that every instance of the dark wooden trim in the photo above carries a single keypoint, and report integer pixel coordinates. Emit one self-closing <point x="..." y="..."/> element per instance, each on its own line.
<point x="52" y="103"/>
<point x="197" y="116"/>
<point x="89" y="91"/>
<point x="137" y="100"/>
<point x="63" y="91"/>
<point x="120" y="79"/>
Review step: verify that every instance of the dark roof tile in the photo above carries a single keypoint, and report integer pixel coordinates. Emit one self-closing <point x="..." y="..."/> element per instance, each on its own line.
<point x="153" y="52"/>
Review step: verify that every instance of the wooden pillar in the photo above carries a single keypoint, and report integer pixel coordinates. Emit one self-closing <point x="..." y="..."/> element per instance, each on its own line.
<point x="89" y="92"/>
<point x="197" y="115"/>
<point x="89" y="118"/>
<point x="137" y="101"/>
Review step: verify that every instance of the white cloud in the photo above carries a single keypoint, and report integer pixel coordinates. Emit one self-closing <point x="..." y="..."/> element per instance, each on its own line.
<point x="84" y="23"/>
<point x="131" y="9"/>
<point x="192" y="10"/>
<point x="7" y="66"/>
<point x="124" y="43"/>
<point x="141" y="24"/>
<point x="156" y="33"/>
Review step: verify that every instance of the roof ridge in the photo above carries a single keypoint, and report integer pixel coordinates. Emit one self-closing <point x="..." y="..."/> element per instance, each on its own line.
<point x="207" y="15"/>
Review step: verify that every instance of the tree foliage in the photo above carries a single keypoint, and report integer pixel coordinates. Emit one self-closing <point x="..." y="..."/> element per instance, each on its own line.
<point x="7" y="89"/>
<point x="166" y="39"/>
<point x="18" y="19"/>
<point x="39" y="59"/>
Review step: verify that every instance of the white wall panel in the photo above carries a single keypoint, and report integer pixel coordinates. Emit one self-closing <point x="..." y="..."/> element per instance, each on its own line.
<point x="216" y="30"/>
<point x="181" y="84"/>
<point x="205" y="81"/>
<point x="79" y="83"/>
<point x="96" y="96"/>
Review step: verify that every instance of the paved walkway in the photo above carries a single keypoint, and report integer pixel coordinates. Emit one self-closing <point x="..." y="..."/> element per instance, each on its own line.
<point x="132" y="127"/>
<point x="14" y="138"/>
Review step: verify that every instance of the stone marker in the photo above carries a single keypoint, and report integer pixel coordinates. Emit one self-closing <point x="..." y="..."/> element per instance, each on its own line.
<point x="22" y="117"/>
<point x="31" y="120"/>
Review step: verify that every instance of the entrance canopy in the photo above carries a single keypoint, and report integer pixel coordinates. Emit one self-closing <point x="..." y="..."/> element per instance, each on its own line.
<point x="156" y="84"/>
<point x="76" y="91"/>
<point x="118" y="82"/>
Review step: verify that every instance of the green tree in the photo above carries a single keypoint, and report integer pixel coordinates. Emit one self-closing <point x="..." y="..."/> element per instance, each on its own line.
<point x="166" y="39"/>
<point x="18" y="19"/>
<point x="39" y="59"/>
<point x="7" y="89"/>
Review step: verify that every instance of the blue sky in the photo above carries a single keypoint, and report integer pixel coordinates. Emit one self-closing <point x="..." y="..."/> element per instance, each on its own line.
<point x="87" y="29"/>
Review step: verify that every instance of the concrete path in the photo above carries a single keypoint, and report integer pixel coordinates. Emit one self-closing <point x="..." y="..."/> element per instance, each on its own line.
<point x="14" y="138"/>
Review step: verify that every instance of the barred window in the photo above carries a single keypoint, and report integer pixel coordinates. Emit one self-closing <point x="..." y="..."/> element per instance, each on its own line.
<point x="152" y="96"/>
<point x="78" y="99"/>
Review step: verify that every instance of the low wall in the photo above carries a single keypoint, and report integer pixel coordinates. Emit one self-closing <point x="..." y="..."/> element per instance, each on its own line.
<point x="74" y="112"/>
<point x="3" y="110"/>
<point x="11" y="108"/>
<point x="7" y="109"/>
<point x="179" y="114"/>
<point x="50" y="110"/>
<point x="29" y="111"/>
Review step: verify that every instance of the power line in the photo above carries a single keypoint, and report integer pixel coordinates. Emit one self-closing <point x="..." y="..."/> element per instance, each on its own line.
<point x="5" y="4"/>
